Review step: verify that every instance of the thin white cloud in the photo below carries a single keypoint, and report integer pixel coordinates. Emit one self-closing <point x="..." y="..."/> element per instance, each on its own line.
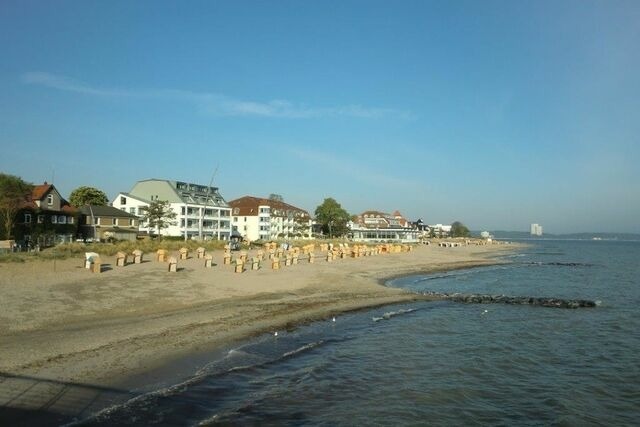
<point x="217" y="104"/>
<point x="67" y="84"/>
<point x="362" y="174"/>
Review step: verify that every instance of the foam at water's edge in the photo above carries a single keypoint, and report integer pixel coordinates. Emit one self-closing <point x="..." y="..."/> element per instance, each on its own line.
<point x="388" y="315"/>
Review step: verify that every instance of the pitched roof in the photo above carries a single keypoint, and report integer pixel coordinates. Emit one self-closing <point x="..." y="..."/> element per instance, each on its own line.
<point x="248" y="206"/>
<point x="374" y="214"/>
<point x="39" y="191"/>
<point x="105" y="211"/>
<point x="141" y="199"/>
<point x="381" y="219"/>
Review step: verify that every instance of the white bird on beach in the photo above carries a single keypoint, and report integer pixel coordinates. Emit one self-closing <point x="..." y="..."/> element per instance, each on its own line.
<point x="334" y="319"/>
<point x="485" y="312"/>
<point x="275" y="334"/>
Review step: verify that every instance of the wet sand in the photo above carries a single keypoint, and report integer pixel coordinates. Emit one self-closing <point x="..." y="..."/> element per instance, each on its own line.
<point x="75" y="329"/>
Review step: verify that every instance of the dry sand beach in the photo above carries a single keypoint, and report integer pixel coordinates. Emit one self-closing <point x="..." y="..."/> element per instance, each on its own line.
<point x="74" y="335"/>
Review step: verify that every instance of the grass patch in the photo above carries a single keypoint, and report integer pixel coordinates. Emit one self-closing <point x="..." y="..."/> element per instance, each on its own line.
<point x="12" y="257"/>
<point x="71" y="250"/>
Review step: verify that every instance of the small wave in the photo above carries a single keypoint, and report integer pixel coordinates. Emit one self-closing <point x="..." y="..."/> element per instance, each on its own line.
<point x="390" y="314"/>
<point x="304" y="348"/>
<point x="136" y="402"/>
<point x="236" y="358"/>
<point x="515" y="255"/>
<point x="439" y="276"/>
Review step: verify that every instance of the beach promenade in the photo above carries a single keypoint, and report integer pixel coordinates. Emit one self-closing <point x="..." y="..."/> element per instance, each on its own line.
<point x="83" y="339"/>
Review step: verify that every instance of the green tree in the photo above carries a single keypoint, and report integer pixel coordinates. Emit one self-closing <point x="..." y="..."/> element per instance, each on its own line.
<point x="458" y="229"/>
<point x="332" y="217"/>
<point x="82" y="196"/>
<point x="13" y="195"/>
<point x="158" y="215"/>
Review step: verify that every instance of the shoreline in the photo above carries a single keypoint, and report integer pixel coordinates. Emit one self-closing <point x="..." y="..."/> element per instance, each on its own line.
<point x="155" y="331"/>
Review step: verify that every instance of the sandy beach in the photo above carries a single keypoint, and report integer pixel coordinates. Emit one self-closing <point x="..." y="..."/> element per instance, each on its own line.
<point x="63" y="326"/>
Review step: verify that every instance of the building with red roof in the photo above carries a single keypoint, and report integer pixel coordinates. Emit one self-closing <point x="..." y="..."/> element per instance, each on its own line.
<point x="46" y="218"/>
<point x="376" y="226"/>
<point x="257" y="218"/>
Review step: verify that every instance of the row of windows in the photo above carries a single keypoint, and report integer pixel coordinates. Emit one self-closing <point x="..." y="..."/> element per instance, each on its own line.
<point x="132" y="211"/>
<point x="55" y="219"/>
<point x="113" y="221"/>
<point x="207" y="212"/>
<point x="192" y="223"/>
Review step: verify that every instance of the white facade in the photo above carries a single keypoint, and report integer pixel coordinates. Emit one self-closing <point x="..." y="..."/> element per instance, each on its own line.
<point x="201" y="213"/>
<point x="263" y="219"/>
<point x="536" y="230"/>
<point x="440" y="230"/>
<point x="375" y="227"/>
<point x="384" y="235"/>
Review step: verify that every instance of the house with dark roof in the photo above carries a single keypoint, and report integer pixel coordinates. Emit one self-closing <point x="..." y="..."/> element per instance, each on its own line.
<point x="45" y="219"/>
<point x="105" y="223"/>
<point x="257" y="218"/>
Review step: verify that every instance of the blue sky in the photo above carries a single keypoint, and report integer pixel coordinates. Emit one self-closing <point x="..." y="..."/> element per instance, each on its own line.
<point x="494" y="113"/>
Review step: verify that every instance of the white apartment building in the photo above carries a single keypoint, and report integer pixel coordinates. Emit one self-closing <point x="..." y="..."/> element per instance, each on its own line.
<point x="440" y="230"/>
<point x="258" y="218"/>
<point x="201" y="212"/>
<point x="536" y="230"/>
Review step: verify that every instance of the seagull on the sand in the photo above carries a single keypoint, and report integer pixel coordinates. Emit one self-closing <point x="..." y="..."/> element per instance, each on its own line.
<point x="334" y="318"/>
<point x="485" y="312"/>
<point x="275" y="334"/>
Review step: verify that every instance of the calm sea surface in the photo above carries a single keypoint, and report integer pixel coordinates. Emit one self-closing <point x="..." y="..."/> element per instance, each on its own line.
<point x="439" y="363"/>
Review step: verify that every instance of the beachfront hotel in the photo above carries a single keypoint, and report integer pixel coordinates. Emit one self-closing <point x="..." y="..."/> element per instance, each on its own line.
<point x="256" y="218"/>
<point x="375" y="226"/>
<point x="201" y="212"/>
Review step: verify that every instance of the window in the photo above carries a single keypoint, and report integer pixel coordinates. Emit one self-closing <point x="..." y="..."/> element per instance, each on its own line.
<point x="245" y="219"/>
<point x="235" y="219"/>
<point x="69" y="220"/>
<point x="114" y="221"/>
<point x="54" y="219"/>
<point x="27" y="218"/>
<point x="245" y="228"/>
<point x="123" y="200"/>
<point x="62" y="219"/>
<point x="236" y="211"/>
<point x="40" y="219"/>
<point x="50" y="199"/>
<point x="132" y="211"/>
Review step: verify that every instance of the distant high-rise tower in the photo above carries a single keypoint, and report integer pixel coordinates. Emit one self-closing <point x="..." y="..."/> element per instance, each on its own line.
<point x="536" y="230"/>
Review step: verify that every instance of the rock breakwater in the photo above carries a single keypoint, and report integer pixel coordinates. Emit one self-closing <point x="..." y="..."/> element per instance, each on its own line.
<point x="506" y="299"/>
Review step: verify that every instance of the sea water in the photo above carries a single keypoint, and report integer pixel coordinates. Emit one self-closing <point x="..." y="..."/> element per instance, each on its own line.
<point x="438" y="363"/>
